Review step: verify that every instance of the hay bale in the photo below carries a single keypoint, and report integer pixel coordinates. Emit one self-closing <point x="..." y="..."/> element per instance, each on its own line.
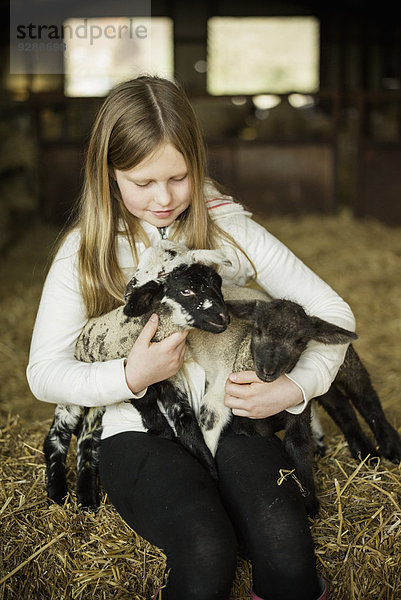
<point x="59" y="552"/>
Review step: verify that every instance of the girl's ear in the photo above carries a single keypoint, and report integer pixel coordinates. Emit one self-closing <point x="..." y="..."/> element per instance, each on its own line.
<point x="242" y="310"/>
<point x="141" y="299"/>
<point x="328" y="333"/>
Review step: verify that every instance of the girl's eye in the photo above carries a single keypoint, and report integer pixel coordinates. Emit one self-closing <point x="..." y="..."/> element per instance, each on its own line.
<point x="178" y="179"/>
<point x="187" y="292"/>
<point x="142" y="185"/>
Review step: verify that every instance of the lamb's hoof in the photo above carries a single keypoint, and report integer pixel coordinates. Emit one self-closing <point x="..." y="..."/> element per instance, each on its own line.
<point x="91" y="509"/>
<point x="57" y="496"/>
<point x="320" y="449"/>
<point x="363" y="448"/>
<point x="59" y="501"/>
<point x="391" y="449"/>
<point x="88" y="505"/>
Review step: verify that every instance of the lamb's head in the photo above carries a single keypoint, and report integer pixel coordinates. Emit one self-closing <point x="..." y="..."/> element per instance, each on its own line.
<point x="188" y="284"/>
<point x="281" y="331"/>
<point x="156" y="262"/>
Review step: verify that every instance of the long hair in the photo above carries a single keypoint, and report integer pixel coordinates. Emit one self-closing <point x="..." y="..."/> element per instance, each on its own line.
<point x="134" y="120"/>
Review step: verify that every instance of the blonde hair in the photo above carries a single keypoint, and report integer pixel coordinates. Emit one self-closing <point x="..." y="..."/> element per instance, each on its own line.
<point x="135" y="119"/>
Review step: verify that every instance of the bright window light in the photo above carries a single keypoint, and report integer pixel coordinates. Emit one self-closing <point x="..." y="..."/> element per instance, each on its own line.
<point x="102" y="52"/>
<point x="256" y="55"/>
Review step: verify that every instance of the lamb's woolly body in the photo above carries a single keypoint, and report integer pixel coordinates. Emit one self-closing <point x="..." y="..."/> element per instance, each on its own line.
<point x="228" y="352"/>
<point x="271" y="341"/>
<point x="112" y="336"/>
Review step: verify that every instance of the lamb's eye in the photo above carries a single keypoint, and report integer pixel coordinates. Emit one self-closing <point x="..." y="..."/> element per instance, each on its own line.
<point x="187" y="292"/>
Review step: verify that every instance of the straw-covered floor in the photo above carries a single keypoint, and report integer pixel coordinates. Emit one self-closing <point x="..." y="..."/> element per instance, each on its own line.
<point x="59" y="553"/>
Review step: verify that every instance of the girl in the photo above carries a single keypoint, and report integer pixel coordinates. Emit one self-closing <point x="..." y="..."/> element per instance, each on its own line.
<point x="145" y="180"/>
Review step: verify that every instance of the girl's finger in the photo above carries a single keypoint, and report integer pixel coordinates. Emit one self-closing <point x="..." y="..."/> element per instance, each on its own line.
<point x="235" y="403"/>
<point x="149" y="329"/>
<point x="244" y="377"/>
<point x="175" y="340"/>
<point x="238" y="391"/>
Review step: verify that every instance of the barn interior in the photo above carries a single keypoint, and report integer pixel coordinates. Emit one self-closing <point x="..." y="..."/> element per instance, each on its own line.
<point x="309" y="141"/>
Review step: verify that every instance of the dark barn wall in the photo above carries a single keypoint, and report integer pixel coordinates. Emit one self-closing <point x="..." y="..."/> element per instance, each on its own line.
<point x="344" y="151"/>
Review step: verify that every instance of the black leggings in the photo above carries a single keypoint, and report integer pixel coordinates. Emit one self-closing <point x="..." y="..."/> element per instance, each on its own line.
<point x="165" y="495"/>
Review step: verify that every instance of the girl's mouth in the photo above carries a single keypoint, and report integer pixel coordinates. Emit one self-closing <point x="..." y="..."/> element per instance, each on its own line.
<point x="161" y="214"/>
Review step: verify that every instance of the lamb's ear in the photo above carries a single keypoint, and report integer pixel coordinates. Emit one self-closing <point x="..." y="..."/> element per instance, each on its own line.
<point x="328" y="333"/>
<point x="140" y="299"/>
<point x="214" y="259"/>
<point x="149" y="256"/>
<point x="148" y="266"/>
<point x="242" y="310"/>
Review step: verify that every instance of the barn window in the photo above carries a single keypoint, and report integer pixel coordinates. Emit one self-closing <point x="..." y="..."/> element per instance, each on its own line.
<point x="254" y="55"/>
<point x="102" y="52"/>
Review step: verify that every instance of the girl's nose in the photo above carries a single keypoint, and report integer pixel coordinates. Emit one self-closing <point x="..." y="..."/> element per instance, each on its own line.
<point x="163" y="196"/>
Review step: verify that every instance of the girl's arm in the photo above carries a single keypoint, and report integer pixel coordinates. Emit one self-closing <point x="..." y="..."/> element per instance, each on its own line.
<point x="53" y="374"/>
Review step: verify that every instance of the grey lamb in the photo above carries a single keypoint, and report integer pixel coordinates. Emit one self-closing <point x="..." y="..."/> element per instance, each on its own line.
<point x="278" y="332"/>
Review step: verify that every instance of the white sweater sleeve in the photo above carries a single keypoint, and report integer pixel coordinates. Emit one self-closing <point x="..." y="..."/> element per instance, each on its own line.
<point x="282" y="275"/>
<point x="53" y="374"/>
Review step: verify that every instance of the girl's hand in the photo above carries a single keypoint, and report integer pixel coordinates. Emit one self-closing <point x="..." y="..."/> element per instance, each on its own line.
<point x="250" y="397"/>
<point x="149" y="362"/>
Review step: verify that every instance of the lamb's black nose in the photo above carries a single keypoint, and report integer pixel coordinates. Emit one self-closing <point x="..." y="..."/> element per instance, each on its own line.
<point x="269" y="374"/>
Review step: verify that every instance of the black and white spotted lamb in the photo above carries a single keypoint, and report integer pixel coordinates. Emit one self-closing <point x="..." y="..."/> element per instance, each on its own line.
<point x="183" y="287"/>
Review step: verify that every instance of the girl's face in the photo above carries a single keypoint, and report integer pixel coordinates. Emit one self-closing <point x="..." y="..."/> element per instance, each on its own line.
<point x="158" y="189"/>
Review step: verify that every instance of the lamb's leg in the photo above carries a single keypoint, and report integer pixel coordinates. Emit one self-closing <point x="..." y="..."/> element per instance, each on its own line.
<point x="317" y="432"/>
<point x="214" y="415"/>
<point x="353" y="379"/>
<point x="56" y="444"/>
<point x="298" y="442"/>
<point x="152" y="418"/>
<point x="249" y="427"/>
<point x="181" y="415"/>
<point x="340" y="410"/>
<point x="189" y="434"/>
<point x="88" y="446"/>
